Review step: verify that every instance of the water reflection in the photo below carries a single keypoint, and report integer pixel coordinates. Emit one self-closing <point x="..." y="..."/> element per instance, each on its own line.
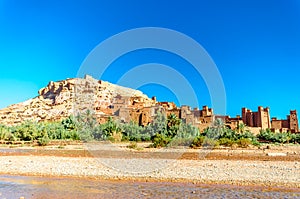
<point x="41" y="187"/>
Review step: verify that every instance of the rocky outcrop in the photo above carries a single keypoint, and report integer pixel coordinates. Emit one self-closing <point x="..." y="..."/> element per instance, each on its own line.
<point x="61" y="99"/>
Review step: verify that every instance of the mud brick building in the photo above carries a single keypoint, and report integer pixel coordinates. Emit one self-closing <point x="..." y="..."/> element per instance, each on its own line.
<point x="289" y="124"/>
<point x="261" y="118"/>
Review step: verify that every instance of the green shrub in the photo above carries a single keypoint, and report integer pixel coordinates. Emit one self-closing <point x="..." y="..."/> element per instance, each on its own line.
<point x="43" y="141"/>
<point x="244" y="142"/>
<point x="159" y="125"/>
<point x="160" y="140"/>
<point x="5" y="133"/>
<point x="226" y="142"/>
<point x="111" y="139"/>
<point x="255" y="143"/>
<point x="70" y="123"/>
<point x="266" y="135"/>
<point x="27" y="131"/>
<point x="187" y="131"/>
<point x="74" y="135"/>
<point x="132" y="132"/>
<point x="145" y="136"/>
<point x="110" y="127"/>
<point x="295" y="138"/>
<point x="210" y="143"/>
<point x="117" y="136"/>
<point x="281" y="138"/>
<point x="247" y="134"/>
<point x="197" y="142"/>
<point x="229" y="134"/>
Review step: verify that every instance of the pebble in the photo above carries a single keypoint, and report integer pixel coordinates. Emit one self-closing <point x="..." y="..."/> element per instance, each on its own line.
<point x="246" y="172"/>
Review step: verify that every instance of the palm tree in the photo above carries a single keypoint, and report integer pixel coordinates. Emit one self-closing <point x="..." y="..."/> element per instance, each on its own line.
<point x="173" y="124"/>
<point x="87" y="124"/>
<point x="159" y="124"/>
<point x="241" y="128"/>
<point x="216" y="130"/>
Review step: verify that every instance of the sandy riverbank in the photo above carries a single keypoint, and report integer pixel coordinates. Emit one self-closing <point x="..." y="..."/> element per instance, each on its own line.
<point x="243" y="171"/>
<point x="273" y="173"/>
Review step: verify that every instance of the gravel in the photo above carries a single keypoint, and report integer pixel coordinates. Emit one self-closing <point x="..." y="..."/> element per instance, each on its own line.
<point x="266" y="173"/>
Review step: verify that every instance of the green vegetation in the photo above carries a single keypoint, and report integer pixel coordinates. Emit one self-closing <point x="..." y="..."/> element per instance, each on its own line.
<point x="218" y="134"/>
<point x="41" y="132"/>
<point x="282" y="138"/>
<point x="162" y="132"/>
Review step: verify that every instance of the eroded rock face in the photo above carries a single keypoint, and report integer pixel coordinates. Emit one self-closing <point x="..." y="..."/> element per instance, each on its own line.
<point x="58" y="100"/>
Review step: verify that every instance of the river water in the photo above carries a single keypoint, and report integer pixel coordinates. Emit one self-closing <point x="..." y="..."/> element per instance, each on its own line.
<point x="42" y="187"/>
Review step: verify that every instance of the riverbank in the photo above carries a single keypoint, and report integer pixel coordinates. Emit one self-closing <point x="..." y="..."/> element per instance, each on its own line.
<point x="286" y="174"/>
<point x="160" y="165"/>
<point x="70" y="187"/>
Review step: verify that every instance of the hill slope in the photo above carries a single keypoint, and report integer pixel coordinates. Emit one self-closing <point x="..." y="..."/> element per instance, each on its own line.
<point x="61" y="99"/>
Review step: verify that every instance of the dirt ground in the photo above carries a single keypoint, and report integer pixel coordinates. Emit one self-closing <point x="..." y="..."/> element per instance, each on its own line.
<point x="121" y="150"/>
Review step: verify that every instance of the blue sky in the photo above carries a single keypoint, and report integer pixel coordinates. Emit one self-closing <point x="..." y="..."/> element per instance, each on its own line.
<point x="255" y="45"/>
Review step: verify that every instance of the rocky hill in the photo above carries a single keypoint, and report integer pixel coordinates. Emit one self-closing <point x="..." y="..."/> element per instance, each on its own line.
<point x="61" y="99"/>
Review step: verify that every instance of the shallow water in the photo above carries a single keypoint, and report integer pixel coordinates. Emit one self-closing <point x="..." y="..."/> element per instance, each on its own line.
<point x="41" y="187"/>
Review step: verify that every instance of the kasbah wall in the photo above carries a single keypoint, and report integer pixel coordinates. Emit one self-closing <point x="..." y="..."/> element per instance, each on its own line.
<point x="254" y="121"/>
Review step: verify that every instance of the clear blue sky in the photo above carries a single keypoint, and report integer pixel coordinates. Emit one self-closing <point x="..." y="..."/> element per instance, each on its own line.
<point x="254" y="43"/>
